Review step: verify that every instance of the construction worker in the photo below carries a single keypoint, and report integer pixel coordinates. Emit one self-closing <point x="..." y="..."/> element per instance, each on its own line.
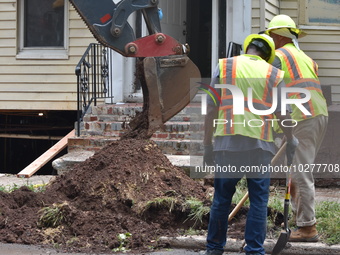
<point x="242" y="144"/>
<point x="300" y="71"/>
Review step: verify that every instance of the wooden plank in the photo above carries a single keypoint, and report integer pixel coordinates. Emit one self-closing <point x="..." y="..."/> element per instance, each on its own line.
<point x="45" y="157"/>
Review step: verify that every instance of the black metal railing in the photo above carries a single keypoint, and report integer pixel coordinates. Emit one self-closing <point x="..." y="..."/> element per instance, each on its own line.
<point x="93" y="79"/>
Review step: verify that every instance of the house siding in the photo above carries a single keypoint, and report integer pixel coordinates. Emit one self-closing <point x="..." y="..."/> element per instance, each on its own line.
<point x="322" y="45"/>
<point x="256" y="20"/>
<point x="38" y="84"/>
<point x="262" y="12"/>
<point x="50" y="84"/>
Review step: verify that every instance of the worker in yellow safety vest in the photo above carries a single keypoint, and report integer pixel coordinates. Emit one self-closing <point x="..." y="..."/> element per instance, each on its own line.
<point x="300" y="71"/>
<point x="238" y="138"/>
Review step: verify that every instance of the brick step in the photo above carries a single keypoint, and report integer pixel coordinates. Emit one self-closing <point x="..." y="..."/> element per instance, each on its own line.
<point x="117" y="128"/>
<point x="128" y="109"/>
<point x="106" y="123"/>
<point x="168" y="146"/>
<point x="124" y="112"/>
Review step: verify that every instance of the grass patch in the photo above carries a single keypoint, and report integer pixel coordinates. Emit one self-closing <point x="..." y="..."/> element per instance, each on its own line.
<point x="33" y="187"/>
<point x="328" y="218"/>
<point x="9" y="188"/>
<point x="192" y="232"/>
<point x="53" y="216"/>
<point x="160" y="202"/>
<point x="241" y="190"/>
<point x="197" y="210"/>
<point x="276" y="199"/>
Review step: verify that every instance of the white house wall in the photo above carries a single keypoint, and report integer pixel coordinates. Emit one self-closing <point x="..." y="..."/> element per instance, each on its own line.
<point x="238" y="20"/>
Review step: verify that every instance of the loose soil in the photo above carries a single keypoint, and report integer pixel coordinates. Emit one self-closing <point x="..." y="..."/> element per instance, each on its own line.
<point x="140" y="127"/>
<point x="127" y="187"/>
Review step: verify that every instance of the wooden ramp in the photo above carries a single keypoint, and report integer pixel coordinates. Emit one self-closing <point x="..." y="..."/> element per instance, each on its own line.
<point x="46" y="157"/>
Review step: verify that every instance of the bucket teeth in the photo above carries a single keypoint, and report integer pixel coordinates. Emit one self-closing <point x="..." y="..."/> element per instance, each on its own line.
<point x="98" y="18"/>
<point x="88" y="25"/>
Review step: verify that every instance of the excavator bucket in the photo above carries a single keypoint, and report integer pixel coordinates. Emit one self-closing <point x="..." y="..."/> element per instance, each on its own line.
<point x="164" y="73"/>
<point x="167" y="89"/>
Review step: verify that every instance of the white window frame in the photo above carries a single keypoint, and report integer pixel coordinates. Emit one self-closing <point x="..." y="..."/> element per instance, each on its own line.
<point x="305" y="24"/>
<point x="42" y="52"/>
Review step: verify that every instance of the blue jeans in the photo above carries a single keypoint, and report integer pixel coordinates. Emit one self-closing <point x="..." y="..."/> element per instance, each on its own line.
<point x="258" y="187"/>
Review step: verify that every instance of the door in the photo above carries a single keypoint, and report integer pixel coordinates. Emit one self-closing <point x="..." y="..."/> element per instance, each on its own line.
<point x="174" y="19"/>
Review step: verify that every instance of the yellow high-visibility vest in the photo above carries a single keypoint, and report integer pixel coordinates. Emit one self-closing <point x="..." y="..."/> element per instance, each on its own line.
<point x="247" y="71"/>
<point x="301" y="71"/>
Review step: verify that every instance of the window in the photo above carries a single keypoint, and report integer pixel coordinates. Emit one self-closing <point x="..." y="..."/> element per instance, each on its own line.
<point x="320" y="12"/>
<point x="42" y="29"/>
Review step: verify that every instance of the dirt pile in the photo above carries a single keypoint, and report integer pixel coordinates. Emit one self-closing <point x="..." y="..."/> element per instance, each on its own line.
<point x="127" y="187"/>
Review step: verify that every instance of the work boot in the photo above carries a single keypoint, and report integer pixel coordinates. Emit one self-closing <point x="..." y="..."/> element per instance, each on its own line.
<point x="304" y="234"/>
<point x="211" y="252"/>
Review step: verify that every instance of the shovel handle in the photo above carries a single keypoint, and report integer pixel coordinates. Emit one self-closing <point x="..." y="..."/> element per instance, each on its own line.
<point x="245" y="197"/>
<point x="238" y="206"/>
<point x="279" y="153"/>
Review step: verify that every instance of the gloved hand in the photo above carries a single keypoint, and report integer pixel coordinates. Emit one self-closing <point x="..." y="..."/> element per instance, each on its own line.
<point x="290" y="149"/>
<point x="208" y="158"/>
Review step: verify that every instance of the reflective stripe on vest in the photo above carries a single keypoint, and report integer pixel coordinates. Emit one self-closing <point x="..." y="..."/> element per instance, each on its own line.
<point x="263" y="77"/>
<point x="301" y="72"/>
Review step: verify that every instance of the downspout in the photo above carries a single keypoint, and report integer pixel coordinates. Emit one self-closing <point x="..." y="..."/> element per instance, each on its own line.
<point x="214" y="35"/>
<point x="262" y="15"/>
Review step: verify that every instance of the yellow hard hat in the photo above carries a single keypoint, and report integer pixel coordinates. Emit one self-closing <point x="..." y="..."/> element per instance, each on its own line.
<point x="284" y="21"/>
<point x="257" y="39"/>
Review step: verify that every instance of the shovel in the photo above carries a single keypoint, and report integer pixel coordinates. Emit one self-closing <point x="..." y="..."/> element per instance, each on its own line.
<point x="284" y="236"/>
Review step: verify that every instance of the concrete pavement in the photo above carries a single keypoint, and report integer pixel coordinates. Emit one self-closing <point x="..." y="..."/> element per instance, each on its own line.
<point x="296" y="249"/>
<point x="19" y="249"/>
<point x="235" y="246"/>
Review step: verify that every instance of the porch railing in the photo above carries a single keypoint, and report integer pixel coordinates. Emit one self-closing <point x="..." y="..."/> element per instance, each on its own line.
<point x="94" y="81"/>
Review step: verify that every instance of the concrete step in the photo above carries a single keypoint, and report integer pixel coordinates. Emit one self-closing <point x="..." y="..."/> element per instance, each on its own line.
<point x="168" y="146"/>
<point x="117" y="128"/>
<point x="69" y="160"/>
<point x="89" y="143"/>
<point x="126" y="118"/>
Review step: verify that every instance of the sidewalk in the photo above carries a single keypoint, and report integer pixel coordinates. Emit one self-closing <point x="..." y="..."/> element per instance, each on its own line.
<point x="182" y="246"/>
<point x="234" y="246"/>
<point x="9" y="180"/>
